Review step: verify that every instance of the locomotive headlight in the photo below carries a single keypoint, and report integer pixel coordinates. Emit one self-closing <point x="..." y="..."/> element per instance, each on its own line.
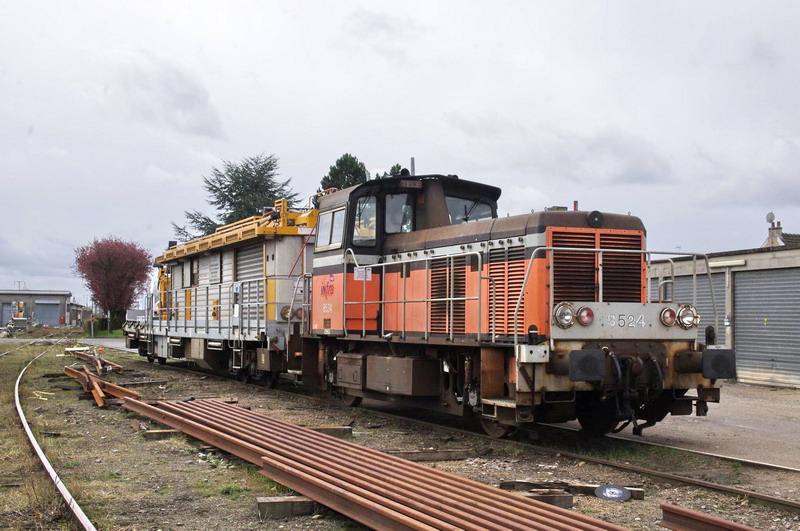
<point x="564" y="315"/>
<point x="668" y="316"/>
<point x="286" y="313"/>
<point x="585" y="316"/>
<point x="687" y="316"/>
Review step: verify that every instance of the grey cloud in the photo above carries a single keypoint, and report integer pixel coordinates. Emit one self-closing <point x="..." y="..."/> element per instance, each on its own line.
<point x="763" y="53"/>
<point x="607" y="156"/>
<point x="159" y="92"/>
<point x="771" y="180"/>
<point x="381" y="33"/>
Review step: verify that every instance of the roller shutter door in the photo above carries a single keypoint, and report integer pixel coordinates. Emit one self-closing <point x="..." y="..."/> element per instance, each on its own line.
<point x="766" y="327"/>
<point x="249" y="269"/>
<point x="47" y="312"/>
<point x="6" y="314"/>
<point x="704" y="304"/>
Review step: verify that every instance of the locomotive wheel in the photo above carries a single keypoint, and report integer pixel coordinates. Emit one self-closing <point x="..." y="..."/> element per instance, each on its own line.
<point x="597" y="418"/>
<point x="243" y="375"/>
<point x="162" y="361"/>
<point x="349" y="400"/>
<point x="150" y="358"/>
<point x="270" y="379"/>
<point x="494" y="429"/>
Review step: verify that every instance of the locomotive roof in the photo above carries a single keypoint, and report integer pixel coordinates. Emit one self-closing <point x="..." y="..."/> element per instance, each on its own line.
<point x="451" y="183"/>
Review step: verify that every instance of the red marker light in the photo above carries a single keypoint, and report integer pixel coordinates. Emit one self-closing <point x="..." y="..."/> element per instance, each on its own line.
<point x="668" y="316"/>
<point x="585" y="316"/>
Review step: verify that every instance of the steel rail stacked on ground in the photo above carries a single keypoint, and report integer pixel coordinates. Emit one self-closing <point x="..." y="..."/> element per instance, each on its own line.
<point x="680" y="518"/>
<point x="369" y="486"/>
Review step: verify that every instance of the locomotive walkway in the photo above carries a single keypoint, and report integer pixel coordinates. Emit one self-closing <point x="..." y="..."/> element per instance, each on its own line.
<point x="376" y="489"/>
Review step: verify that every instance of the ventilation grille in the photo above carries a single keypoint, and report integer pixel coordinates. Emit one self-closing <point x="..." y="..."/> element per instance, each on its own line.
<point x="448" y="281"/>
<point x="575" y="272"/>
<point x="622" y="273"/>
<point x="507" y="269"/>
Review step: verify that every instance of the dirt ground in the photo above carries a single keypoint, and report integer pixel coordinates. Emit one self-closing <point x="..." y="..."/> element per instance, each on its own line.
<point x="126" y="482"/>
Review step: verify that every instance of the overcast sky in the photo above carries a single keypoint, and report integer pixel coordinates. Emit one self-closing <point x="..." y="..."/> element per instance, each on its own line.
<point x="684" y="114"/>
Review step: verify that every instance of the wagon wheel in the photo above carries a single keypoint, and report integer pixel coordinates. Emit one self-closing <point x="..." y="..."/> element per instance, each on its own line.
<point x="494" y="429"/>
<point x="348" y="400"/>
<point x="270" y="379"/>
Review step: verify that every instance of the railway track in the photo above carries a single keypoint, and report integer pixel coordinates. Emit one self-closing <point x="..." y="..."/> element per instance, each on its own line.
<point x="733" y="459"/>
<point x="752" y="496"/>
<point x="23" y="345"/>
<point x="71" y="504"/>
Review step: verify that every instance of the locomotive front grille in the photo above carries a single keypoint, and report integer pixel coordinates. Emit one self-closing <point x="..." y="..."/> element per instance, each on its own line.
<point x="622" y="273"/>
<point x="575" y="273"/>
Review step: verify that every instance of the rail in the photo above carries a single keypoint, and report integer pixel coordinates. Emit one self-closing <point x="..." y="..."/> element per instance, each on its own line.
<point x="683" y="519"/>
<point x="600" y="252"/>
<point x="373" y="488"/>
<point x="70" y="501"/>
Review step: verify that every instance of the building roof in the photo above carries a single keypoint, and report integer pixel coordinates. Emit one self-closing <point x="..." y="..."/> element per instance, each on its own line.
<point x="33" y="292"/>
<point x="790" y="239"/>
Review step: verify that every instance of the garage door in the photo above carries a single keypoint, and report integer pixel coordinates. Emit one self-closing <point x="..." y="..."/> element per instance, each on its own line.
<point x="704" y="304"/>
<point x="47" y="312"/>
<point x="766" y="326"/>
<point x="6" y="314"/>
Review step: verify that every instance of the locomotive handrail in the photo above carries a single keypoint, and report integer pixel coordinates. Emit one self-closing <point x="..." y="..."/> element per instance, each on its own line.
<point x="427" y="300"/>
<point x="600" y="275"/>
<point x="243" y="323"/>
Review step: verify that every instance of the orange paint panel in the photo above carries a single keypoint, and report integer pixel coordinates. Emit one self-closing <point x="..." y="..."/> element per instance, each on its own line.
<point x="326" y="305"/>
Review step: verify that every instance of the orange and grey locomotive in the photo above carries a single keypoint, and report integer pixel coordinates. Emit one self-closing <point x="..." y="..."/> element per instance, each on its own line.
<point x="412" y="289"/>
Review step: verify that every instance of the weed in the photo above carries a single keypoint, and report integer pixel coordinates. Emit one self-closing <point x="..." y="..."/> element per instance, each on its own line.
<point x="232" y="491"/>
<point x="71" y="464"/>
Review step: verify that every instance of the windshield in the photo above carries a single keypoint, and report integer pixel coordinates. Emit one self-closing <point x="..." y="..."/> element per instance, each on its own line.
<point x="466" y="210"/>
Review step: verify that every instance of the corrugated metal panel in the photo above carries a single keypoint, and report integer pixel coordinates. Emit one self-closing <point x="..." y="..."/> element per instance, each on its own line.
<point x="47" y="312"/>
<point x="6" y="314"/>
<point x="250" y="268"/>
<point x="250" y="262"/>
<point x="766" y="326"/>
<point x="704" y="305"/>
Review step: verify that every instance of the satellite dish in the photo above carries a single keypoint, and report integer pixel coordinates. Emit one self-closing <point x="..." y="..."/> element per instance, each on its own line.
<point x="770" y="217"/>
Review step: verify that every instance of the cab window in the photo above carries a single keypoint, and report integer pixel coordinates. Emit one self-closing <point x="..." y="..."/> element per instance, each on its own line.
<point x="330" y="229"/>
<point x="399" y="213"/>
<point x="466" y="210"/>
<point x="365" y="216"/>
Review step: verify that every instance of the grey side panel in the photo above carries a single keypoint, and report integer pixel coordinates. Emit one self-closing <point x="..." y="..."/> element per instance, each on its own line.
<point x="705" y="307"/>
<point x="6" y="314"/>
<point x="766" y="327"/>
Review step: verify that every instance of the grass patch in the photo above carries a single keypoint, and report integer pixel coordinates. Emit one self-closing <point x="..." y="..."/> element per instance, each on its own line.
<point x="105" y="333"/>
<point x="232" y="490"/>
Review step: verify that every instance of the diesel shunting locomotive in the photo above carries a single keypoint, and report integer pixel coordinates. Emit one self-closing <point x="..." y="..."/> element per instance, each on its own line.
<point x="412" y="289"/>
